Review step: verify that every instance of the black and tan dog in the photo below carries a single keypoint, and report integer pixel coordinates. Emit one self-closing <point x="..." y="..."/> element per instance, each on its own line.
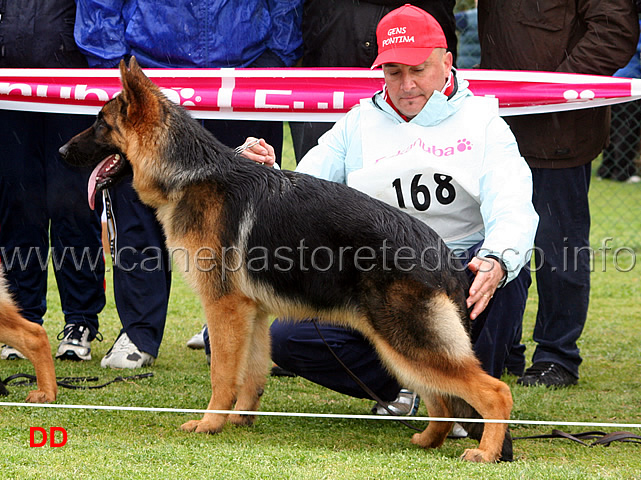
<point x="255" y="240"/>
<point x="32" y="341"/>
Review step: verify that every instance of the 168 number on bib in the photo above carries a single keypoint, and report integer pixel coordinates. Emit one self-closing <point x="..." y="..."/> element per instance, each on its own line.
<point x="420" y="193"/>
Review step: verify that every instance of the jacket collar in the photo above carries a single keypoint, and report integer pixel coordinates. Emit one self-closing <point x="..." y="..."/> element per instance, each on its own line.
<point x="440" y="106"/>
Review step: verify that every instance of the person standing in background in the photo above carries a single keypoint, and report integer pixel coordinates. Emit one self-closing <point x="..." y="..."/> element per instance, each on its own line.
<point x="620" y="157"/>
<point x="177" y="34"/>
<point x="43" y="201"/>
<point x="342" y="33"/>
<point x="559" y="36"/>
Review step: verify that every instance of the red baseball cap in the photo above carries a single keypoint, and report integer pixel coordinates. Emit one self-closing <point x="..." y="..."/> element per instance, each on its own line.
<point x="407" y="35"/>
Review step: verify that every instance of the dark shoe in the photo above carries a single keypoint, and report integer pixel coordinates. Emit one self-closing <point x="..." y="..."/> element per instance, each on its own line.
<point x="507" y="453"/>
<point x="548" y="374"/>
<point x="281" y="372"/>
<point x="75" y="344"/>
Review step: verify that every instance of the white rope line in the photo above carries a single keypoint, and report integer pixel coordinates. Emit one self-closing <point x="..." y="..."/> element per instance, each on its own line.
<point x="322" y="415"/>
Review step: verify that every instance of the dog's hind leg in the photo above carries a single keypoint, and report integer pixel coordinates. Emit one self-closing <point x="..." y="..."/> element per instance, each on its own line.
<point x="31" y="340"/>
<point x="461" y="377"/>
<point x="489" y="396"/>
<point x="252" y="384"/>
<point x="229" y="320"/>
<point x="436" y="432"/>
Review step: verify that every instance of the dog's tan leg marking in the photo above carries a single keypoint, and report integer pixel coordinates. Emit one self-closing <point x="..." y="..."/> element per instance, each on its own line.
<point x="258" y="361"/>
<point x="490" y="397"/>
<point x="229" y="320"/>
<point x="436" y="432"/>
<point x="31" y="339"/>
<point x="464" y="378"/>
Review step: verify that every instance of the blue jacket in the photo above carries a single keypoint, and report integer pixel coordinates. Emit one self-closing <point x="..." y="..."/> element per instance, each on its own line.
<point x="190" y="34"/>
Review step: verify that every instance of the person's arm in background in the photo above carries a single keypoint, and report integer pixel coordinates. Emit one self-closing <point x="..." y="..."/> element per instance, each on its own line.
<point x="610" y="40"/>
<point x="286" y="40"/>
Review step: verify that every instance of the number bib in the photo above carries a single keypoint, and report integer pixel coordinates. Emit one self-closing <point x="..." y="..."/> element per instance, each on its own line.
<point x="433" y="172"/>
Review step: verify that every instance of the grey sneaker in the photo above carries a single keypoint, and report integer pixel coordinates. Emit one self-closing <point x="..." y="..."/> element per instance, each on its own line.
<point x="10" y="353"/>
<point x="197" y="342"/>
<point x="125" y="354"/>
<point x="74" y="344"/>
<point x="406" y="403"/>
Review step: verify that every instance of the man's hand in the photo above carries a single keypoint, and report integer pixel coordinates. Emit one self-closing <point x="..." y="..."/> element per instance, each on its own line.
<point x="488" y="274"/>
<point x="258" y="150"/>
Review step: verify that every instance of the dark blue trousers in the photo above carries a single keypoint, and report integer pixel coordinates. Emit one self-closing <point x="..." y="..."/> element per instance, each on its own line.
<point x="562" y="263"/>
<point x="142" y="277"/>
<point x="43" y="202"/>
<point x="296" y="346"/>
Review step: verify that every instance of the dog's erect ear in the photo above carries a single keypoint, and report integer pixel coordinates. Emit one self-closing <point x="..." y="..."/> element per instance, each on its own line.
<point x="139" y="93"/>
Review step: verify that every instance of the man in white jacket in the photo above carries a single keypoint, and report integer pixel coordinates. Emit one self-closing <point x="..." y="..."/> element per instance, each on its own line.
<point x="427" y="145"/>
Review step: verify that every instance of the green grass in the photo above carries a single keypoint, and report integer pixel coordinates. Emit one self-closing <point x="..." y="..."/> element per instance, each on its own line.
<point x="124" y="444"/>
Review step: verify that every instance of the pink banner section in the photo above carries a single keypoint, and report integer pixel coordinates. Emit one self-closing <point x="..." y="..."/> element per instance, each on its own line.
<point x="296" y="94"/>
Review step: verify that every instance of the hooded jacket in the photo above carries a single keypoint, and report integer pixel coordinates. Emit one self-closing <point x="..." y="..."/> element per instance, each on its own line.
<point x="580" y="36"/>
<point x="195" y="34"/>
<point x="501" y="181"/>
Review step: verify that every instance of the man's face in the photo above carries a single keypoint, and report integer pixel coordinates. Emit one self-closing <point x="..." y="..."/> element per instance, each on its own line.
<point x="411" y="86"/>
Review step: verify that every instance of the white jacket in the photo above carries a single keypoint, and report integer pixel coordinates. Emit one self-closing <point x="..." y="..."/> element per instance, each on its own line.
<point x="462" y="142"/>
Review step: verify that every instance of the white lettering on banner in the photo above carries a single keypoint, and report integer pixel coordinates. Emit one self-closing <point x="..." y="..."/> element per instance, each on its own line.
<point x="224" y="97"/>
<point x="401" y="39"/>
<point x="7" y="88"/>
<point x="82" y="92"/>
<point x="182" y="96"/>
<point x="338" y="100"/>
<point x="260" y="100"/>
<point x="41" y="90"/>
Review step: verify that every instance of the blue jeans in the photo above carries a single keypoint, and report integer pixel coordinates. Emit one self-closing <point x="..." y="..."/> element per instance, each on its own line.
<point x="562" y="263"/>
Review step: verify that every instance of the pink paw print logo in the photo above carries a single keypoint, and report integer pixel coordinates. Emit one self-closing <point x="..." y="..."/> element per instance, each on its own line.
<point x="463" y="145"/>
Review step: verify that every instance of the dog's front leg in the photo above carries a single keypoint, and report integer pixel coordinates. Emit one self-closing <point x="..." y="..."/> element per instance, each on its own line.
<point x="229" y="320"/>
<point x="258" y="361"/>
<point x="31" y="340"/>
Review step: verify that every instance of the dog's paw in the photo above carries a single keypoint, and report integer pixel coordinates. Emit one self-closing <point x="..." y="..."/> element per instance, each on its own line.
<point x="200" y="426"/>
<point x="38" y="396"/>
<point x="246" y="420"/>
<point x="478" y="456"/>
<point x="427" y="441"/>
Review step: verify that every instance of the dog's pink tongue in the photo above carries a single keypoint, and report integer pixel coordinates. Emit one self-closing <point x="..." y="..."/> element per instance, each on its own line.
<point x="91" y="186"/>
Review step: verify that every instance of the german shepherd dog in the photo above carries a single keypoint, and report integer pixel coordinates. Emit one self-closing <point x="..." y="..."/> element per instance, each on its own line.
<point x="256" y="241"/>
<point x="32" y="341"/>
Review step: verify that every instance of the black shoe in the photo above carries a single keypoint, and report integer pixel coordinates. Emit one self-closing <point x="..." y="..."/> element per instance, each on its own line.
<point x="548" y="374"/>
<point x="281" y="372"/>
<point x="507" y="453"/>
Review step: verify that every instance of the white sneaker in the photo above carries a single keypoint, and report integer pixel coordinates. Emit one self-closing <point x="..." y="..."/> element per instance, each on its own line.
<point x="10" y="353"/>
<point x="75" y="344"/>
<point x="406" y="403"/>
<point x="458" y="431"/>
<point x="125" y="354"/>
<point x="197" y="342"/>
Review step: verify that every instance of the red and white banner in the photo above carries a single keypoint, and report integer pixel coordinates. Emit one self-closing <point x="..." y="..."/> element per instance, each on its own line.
<point x="302" y="94"/>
